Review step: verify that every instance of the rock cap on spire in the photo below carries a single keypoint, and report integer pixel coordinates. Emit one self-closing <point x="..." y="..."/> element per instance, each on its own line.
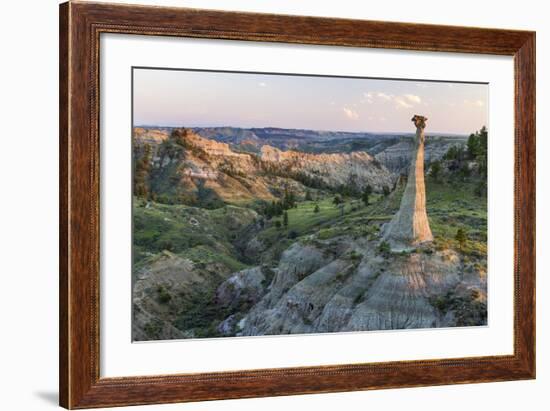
<point x="419" y="121"/>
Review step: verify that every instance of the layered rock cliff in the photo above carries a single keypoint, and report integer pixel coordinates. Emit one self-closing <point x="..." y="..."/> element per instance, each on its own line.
<point x="186" y="161"/>
<point x="333" y="169"/>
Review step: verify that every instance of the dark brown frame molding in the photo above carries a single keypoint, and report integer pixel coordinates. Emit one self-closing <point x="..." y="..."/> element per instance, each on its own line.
<point x="80" y="27"/>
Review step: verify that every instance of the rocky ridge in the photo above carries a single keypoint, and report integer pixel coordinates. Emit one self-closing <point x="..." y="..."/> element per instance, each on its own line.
<point x="358" y="289"/>
<point x="237" y="177"/>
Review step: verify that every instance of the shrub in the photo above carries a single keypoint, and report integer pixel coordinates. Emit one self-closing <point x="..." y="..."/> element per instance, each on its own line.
<point x="384" y="248"/>
<point x="435" y="170"/>
<point x="292" y="234"/>
<point x="163" y="296"/>
<point x="152" y="329"/>
<point x="461" y="237"/>
<point x="366" y="194"/>
<point x="481" y="189"/>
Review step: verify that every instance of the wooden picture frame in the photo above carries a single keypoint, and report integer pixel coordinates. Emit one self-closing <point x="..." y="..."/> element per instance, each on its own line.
<point x="80" y="27"/>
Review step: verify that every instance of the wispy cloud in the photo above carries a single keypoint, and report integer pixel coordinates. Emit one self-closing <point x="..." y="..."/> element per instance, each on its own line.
<point x="413" y="98"/>
<point x="407" y="100"/>
<point x="400" y="101"/>
<point x="368" y="98"/>
<point x="350" y="113"/>
<point x="384" y="96"/>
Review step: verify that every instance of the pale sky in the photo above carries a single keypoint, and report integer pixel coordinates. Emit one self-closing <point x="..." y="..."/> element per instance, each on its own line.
<point x="211" y="99"/>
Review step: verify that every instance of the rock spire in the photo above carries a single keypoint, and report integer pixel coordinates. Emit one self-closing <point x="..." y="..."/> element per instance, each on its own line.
<point x="410" y="226"/>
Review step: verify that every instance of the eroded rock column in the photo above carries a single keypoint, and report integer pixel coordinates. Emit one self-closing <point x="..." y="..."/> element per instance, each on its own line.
<point x="410" y="227"/>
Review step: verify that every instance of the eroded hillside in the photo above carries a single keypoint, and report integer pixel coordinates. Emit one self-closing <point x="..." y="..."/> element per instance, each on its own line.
<point x="187" y="168"/>
<point x="230" y="243"/>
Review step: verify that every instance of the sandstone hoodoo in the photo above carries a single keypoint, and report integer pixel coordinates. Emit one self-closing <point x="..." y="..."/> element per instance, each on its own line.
<point x="410" y="226"/>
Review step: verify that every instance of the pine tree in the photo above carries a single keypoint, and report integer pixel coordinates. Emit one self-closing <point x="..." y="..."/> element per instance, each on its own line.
<point x="366" y="193"/>
<point x="435" y="169"/>
<point x="461" y="237"/>
<point x="289" y="199"/>
<point x="482" y="157"/>
<point x="179" y="136"/>
<point x="473" y="145"/>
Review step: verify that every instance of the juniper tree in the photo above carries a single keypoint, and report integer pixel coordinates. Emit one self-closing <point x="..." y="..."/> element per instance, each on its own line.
<point x="366" y="193"/>
<point x="461" y="237"/>
<point x="435" y="169"/>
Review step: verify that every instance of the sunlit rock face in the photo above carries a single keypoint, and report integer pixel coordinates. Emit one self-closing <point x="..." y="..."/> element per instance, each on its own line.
<point x="316" y="292"/>
<point x="410" y="227"/>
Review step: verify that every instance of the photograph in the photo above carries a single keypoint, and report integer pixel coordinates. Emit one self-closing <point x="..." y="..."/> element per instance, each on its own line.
<point x="277" y="203"/>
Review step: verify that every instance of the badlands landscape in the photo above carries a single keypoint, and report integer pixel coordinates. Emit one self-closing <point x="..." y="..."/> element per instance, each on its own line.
<point x="269" y="231"/>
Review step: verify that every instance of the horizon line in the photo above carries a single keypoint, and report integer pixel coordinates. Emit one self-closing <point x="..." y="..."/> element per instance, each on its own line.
<point x="305" y="129"/>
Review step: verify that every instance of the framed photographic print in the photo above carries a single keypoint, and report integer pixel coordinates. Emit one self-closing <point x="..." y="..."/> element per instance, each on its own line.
<point x="258" y="205"/>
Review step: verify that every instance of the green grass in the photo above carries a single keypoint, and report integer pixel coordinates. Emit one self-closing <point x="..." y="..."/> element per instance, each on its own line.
<point x="450" y="205"/>
<point x="453" y="205"/>
<point x="207" y="236"/>
<point x="182" y="229"/>
<point x="330" y="222"/>
<point x="203" y="255"/>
